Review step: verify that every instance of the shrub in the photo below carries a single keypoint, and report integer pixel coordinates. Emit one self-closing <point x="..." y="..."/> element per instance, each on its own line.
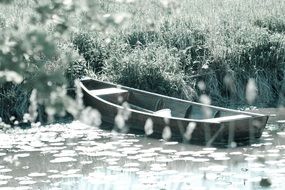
<point x="75" y="65"/>
<point x="39" y="64"/>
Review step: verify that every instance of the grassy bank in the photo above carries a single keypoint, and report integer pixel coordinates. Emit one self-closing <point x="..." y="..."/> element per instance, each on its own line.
<point x="180" y="49"/>
<point x="222" y="43"/>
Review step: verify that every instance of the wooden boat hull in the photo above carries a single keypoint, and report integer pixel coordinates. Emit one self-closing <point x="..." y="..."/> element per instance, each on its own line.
<point x="205" y="132"/>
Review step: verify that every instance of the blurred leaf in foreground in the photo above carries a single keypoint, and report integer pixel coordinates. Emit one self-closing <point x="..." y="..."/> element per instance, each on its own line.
<point x="6" y="1"/>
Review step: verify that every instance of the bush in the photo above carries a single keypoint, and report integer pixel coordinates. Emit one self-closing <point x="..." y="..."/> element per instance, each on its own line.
<point x="33" y="61"/>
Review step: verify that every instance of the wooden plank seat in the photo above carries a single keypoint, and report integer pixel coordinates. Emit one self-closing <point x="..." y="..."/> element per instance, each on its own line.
<point x="135" y="107"/>
<point x="227" y="118"/>
<point x="163" y="112"/>
<point x="108" y="91"/>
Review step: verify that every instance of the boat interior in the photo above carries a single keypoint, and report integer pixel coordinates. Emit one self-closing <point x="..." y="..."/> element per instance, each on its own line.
<point x="161" y="105"/>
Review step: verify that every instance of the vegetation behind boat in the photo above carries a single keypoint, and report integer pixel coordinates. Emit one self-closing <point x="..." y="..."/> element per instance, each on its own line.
<point x="164" y="48"/>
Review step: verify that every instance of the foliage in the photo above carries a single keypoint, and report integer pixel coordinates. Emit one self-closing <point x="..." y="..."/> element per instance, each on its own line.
<point x="91" y="49"/>
<point x="141" y="38"/>
<point x="29" y="57"/>
<point x="272" y="23"/>
<point x="161" y="46"/>
<point x="256" y="54"/>
<point x="154" y="69"/>
<point x="14" y="102"/>
<point x="6" y="1"/>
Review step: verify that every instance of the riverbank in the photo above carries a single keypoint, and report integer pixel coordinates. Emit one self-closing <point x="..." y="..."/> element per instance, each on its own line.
<point x="232" y="51"/>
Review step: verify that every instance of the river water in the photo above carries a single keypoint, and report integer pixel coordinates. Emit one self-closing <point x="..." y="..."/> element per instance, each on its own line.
<point x="77" y="156"/>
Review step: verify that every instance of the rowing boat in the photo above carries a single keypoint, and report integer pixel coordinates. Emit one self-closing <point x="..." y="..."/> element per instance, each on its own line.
<point x="196" y="122"/>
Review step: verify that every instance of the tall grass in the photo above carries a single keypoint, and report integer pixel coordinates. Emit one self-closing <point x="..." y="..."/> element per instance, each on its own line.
<point x="169" y="46"/>
<point x="213" y="40"/>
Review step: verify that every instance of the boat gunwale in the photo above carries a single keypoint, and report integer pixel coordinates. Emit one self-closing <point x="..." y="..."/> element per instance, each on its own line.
<point x="255" y="115"/>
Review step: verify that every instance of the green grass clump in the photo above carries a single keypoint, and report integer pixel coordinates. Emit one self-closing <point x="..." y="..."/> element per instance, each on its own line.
<point x="154" y="69"/>
<point x="14" y="101"/>
<point x="183" y="34"/>
<point x="256" y="50"/>
<point x="141" y="38"/>
<point x="191" y="42"/>
<point x="272" y="23"/>
<point x="254" y="53"/>
<point x="91" y="49"/>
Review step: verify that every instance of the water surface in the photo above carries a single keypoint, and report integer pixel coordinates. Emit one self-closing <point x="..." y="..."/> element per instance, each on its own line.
<point x="77" y="156"/>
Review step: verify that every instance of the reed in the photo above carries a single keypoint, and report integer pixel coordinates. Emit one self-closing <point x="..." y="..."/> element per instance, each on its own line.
<point x="167" y="47"/>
